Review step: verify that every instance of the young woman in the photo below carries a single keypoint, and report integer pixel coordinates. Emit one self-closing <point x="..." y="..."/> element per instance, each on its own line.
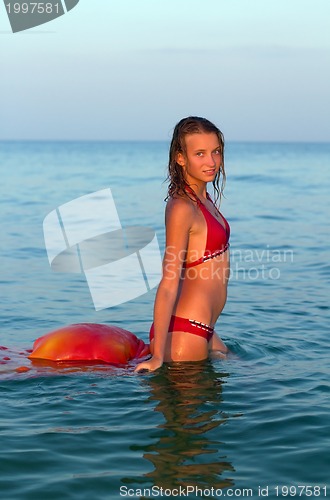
<point x="193" y="289"/>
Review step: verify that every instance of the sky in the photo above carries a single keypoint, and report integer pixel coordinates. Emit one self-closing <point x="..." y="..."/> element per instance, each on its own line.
<point x="130" y="69"/>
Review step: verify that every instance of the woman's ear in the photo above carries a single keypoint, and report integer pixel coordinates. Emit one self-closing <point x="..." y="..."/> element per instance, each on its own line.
<point x="180" y="159"/>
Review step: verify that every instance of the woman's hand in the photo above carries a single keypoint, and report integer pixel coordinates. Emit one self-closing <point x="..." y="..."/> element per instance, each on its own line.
<point x="151" y="365"/>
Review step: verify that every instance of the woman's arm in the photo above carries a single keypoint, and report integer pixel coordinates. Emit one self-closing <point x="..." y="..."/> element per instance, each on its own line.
<point x="179" y="218"/>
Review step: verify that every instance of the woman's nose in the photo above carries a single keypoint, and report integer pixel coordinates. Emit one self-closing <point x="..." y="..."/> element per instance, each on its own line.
<point x="211" y="160"/>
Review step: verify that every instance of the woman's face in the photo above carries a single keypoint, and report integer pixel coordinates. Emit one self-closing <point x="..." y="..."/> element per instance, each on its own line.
<point x="203" y="158"/>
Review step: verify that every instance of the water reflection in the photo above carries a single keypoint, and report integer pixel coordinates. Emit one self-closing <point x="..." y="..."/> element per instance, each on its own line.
<point x="186" y="452"/>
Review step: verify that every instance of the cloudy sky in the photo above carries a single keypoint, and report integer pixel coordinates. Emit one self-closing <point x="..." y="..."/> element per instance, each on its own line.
<point x="130" y="69"/>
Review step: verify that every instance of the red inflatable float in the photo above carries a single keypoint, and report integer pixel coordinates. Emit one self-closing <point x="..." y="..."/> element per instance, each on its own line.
<point x="81" y="343"/>
<point x="90" y="342"/>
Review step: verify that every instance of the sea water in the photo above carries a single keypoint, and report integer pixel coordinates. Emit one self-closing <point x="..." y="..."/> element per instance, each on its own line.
<point x="254" y="425"/>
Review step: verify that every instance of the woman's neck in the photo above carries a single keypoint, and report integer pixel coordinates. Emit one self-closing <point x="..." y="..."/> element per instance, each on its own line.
<point x="199" y="189"/>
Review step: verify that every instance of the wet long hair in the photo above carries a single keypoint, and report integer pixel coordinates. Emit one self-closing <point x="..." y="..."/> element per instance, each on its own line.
<point x="176" y="177"/>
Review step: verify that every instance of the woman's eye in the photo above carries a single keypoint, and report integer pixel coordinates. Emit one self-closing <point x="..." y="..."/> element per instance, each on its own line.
<point x="217" y="152"/>
<point x="199" y="153"/>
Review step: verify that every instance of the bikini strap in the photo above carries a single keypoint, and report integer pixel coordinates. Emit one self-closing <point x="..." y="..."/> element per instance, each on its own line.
<point x="210" y="199"/>
<point x="188" y="189"/>
<point x="199" y="202"/>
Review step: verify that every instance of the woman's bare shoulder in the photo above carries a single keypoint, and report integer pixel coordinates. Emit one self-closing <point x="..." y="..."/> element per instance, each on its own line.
<point x="180" y="207"/>
<point x="180" y="215"/>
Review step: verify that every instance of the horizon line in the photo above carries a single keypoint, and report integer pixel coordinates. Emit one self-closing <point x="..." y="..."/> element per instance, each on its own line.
<point x="265" y="141"/>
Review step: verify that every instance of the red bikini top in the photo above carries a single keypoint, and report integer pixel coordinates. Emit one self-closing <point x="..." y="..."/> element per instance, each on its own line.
<point x="217" y="241"/>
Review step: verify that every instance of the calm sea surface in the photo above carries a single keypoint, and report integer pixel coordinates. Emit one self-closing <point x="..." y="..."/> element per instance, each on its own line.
<point x="258" y="420"/>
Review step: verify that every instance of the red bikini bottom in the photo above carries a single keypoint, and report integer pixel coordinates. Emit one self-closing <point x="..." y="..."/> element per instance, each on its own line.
<point x="178" y="324"/>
